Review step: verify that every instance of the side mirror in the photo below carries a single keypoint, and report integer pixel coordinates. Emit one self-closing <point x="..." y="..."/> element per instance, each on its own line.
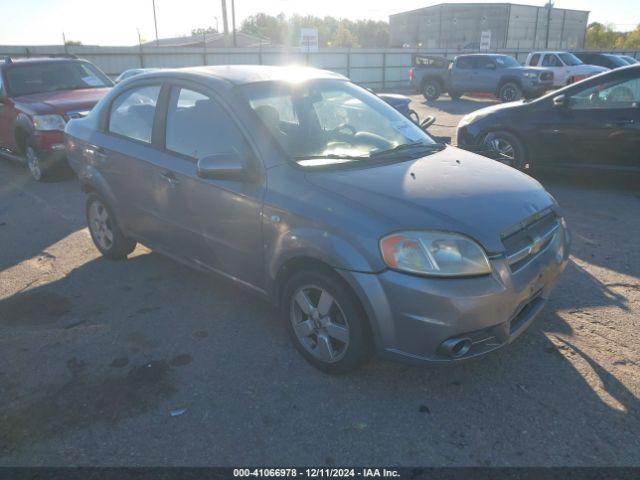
<point x="427" y="122"/>
<point x="222" y="166"/>
<point x="560" y="101"/>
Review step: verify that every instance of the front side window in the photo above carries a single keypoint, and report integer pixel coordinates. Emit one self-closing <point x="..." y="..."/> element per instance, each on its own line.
<point x="506" y="61"/>
<point x="570" y="59"/>
<point x="198" y="126"/>
<point x="25" y="79"/>
<point x="465" y="63"/>
<point x="133" y="111"/>
<point x="550" y="60"/>
<point x="616" y="94"/>
<point x="331" y="120"/>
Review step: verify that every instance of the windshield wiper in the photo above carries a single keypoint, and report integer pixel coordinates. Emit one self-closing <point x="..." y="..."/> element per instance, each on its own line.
<point x="432" y="147"/>
<point x="329" y="156"/>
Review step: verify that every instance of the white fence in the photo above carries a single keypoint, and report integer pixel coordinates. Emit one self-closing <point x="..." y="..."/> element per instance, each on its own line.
<point x="375" y="68"/>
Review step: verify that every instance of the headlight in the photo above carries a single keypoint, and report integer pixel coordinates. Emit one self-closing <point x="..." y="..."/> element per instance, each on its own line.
<point x="434" y="253"/>
<point x="48" y="122"/>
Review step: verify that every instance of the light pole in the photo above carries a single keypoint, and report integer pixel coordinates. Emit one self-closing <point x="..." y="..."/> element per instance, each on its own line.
<point x="155" y="21"/>
<point x="233" y="21"/>
<point x="549" y="7"/>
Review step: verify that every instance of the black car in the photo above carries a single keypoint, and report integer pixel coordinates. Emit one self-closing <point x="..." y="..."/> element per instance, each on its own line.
<point x="594" y="123"/>
<point x="607" y="60"/>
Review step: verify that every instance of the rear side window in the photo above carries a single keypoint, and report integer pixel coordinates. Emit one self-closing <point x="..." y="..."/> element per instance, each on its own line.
<point x="198" y="126"/>
<point x="534" y="59"/>
<point x="465" y="63"/>
<point x="132" y="113"/>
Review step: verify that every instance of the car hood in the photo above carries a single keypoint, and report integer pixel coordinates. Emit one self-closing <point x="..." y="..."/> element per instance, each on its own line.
<point x="585" y="69"/>
<point x="63" y="101"/>
<point x="452" y="190"/>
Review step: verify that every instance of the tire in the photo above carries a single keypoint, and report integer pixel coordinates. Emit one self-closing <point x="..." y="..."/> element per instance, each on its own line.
<point x="330" y="332"/>
<point x="431" y="90"/>
<point x="510" y="145"/>
<point x="510" y="92"/>
<point x="104" y="229"/>
<point x="455" y="95"/>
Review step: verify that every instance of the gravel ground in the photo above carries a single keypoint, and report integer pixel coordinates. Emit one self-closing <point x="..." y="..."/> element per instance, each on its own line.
<point x="95" y="356"/>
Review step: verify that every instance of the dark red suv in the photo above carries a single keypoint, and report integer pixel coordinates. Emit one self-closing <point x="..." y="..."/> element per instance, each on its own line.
<point x="37" y="98"/>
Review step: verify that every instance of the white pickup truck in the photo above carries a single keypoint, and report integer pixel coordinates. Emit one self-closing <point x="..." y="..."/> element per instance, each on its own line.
<point x="566" y="67"/>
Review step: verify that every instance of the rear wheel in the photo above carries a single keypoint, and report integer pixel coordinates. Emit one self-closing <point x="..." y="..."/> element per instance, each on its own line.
<point x="509" y="147"/>
<point x="325" y="322"/>
<point x="431" y="90"/>
<point x="105" y="233"/>
<point x="510" y="92"/>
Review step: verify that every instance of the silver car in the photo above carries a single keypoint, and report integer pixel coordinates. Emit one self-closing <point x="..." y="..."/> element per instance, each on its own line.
<point x="311" y="191"/>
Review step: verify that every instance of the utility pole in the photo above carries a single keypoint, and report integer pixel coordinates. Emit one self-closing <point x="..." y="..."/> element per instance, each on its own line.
<point x="549" y="7"/>
<point x="233" y="21"/>
<point x="64" y="42"/>
<point x="225" y="23"/>
<point x="155" y="22"/>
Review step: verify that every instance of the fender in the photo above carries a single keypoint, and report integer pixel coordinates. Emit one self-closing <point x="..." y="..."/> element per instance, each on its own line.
<point x="22" y="122"/>
<point x="316" y="244"/>
<point x="91" y="180"/>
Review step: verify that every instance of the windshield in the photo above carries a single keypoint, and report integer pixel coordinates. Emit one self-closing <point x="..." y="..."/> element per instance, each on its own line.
<point x="570" y="59"/>
<point x="507" y="61"/>
<point x="331" y="121"/>
<point x="53" y="76"/>
<point x="617" y="61"/>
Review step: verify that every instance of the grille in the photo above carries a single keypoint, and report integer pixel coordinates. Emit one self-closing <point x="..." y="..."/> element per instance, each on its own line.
<point x="531" y="238"/>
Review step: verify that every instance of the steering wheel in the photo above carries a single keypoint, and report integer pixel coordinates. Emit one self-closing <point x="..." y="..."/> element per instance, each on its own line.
<point x="344" y="126"/>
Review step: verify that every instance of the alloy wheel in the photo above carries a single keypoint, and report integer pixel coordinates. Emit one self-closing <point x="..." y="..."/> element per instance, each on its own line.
<point x="319" y="323"/>
<point x="100" y="225"/>
<point x="504" y="148"/>
<point x="33" y="162"/>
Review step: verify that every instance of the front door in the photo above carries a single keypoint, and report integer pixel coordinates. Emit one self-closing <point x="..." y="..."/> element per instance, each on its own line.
<point x="216" y="223"/>
<point x="599" y="126"/>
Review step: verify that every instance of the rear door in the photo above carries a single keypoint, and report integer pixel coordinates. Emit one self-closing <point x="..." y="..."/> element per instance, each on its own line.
<point x="215" y="223"/>
<point x="462" y="74"/>
<point x="127" y="157"/>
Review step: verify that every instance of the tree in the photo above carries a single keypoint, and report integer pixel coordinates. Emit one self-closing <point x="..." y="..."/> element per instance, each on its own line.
<point x="203" y="31"/>
<point x="331" y="31"/>
<point x="604" y="37"/>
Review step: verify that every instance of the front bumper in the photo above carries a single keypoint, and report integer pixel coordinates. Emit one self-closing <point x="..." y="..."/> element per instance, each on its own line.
<point x="412" y="316"/>
<point x="50" y="147"/>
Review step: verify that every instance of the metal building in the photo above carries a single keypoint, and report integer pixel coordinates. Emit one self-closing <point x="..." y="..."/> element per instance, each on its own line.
<point x="460" y="26"/>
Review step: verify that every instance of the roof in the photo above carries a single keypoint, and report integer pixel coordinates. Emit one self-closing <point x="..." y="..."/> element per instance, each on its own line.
<point x="505" y="4"/>
<point x="8" y="60"/>
<point x="243" y="74"/>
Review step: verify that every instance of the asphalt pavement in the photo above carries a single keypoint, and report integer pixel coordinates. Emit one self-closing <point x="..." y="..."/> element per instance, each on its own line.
<point x="146" y="362"/>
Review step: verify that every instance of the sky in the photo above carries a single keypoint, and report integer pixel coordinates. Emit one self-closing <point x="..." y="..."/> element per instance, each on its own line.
<point x="116" y="22"/>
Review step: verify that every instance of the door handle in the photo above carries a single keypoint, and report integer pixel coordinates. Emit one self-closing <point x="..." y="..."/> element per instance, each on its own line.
<point x="170" y="178"/>
<point x="97" y="154"/>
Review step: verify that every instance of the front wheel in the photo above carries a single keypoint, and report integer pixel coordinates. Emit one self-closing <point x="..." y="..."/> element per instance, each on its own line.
<point x="34" y="163"/>
<point x="509" y="147"/>
<point x="510" y="92"/>
<point x="105" y="232"/>
<point x="325" y="322"/>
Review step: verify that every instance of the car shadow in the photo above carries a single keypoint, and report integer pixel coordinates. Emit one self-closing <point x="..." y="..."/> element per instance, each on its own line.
<point x="542" y="400"/>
